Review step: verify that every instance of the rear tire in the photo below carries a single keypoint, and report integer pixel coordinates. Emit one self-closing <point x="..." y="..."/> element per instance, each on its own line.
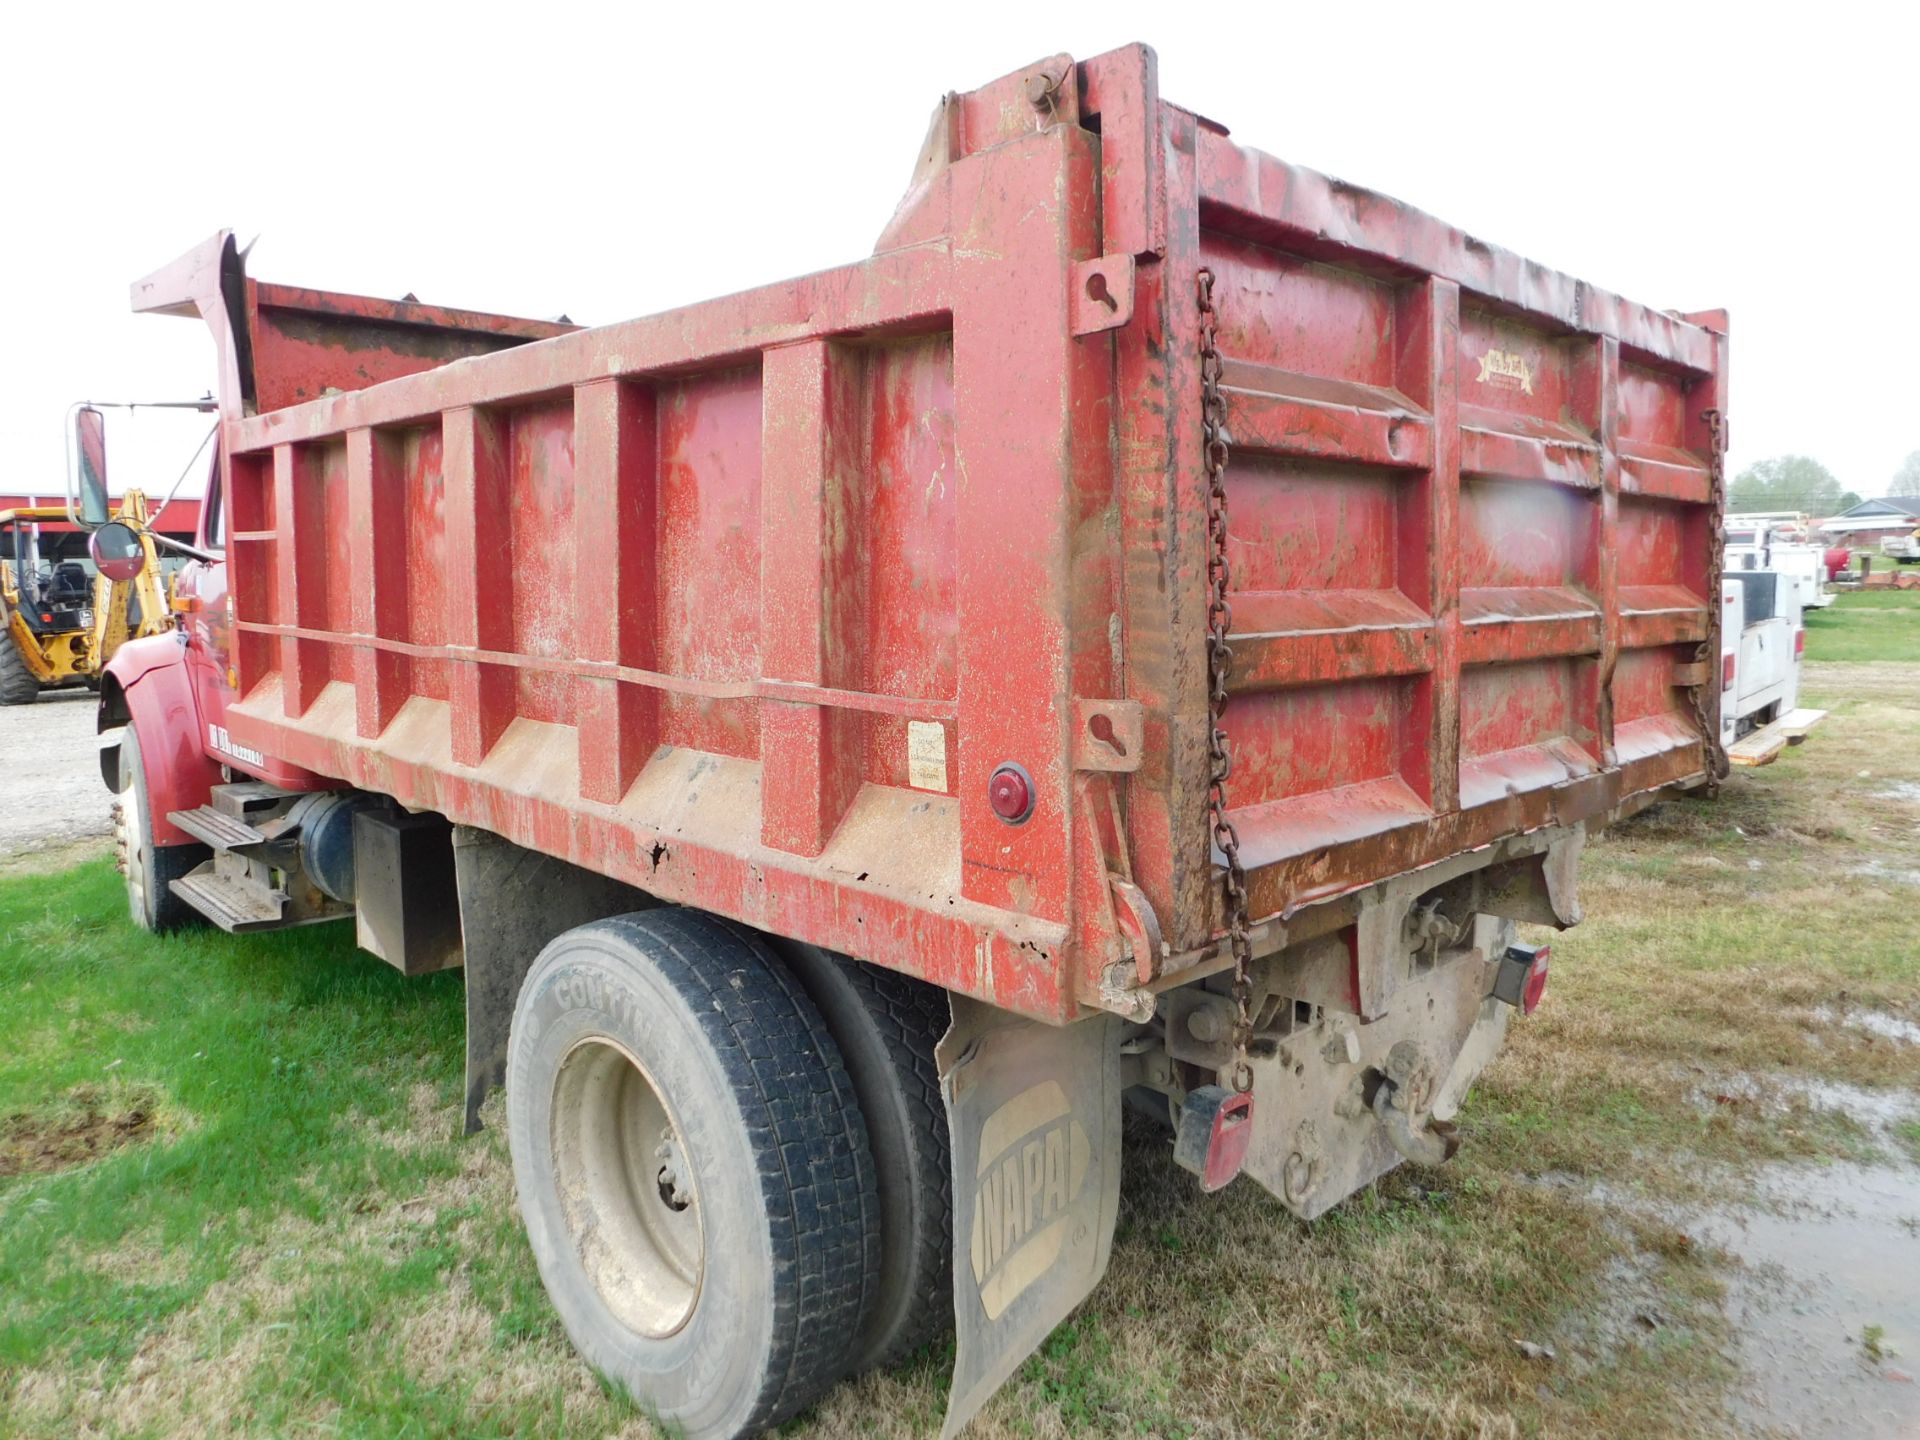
<point x="693" y="1169"/>
<point x="17" y="685"/>
<point x="150" y="869"/>
<point x="887" y="1026"/>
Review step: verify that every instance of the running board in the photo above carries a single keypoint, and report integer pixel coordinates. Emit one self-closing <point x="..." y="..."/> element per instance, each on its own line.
<point x="215" y="828"/>
<point x="254" y="879"/>
<point x="234" y="905"/>
<point x="238" y="903"/>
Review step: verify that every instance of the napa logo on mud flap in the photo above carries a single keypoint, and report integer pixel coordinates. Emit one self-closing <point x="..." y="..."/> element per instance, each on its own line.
<point x="1507" y="369"/>
<point x="1033" y="1164"/>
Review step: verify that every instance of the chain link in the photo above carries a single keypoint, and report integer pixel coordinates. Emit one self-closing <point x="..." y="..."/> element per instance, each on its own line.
<point x="1213" y="421"/>
<point x="1707" y="657"/>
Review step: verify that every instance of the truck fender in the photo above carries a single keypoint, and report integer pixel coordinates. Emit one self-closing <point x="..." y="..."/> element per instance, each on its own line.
<point x="1034" y="1112"/>
<point x="146" y="685"/>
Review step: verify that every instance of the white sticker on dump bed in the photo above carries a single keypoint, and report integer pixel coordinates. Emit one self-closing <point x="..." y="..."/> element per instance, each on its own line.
<point x="218" y="738"/>
<point x="927" y="755"/>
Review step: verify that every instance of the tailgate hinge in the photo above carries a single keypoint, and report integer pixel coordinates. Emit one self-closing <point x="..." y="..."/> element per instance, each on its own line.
<point x="1102" y="294"/>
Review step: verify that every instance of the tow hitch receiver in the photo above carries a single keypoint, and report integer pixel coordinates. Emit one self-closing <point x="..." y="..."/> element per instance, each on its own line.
<point x="1522" y="977"/>
<point x="1215" y="1126"/>
<point x="1403" y="1104"/>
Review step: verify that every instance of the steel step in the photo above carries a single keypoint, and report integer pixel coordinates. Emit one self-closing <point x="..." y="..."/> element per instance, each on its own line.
<point x="234" y="905"/>
<point x="213" y="827"/>
<point x="244" y="799"/>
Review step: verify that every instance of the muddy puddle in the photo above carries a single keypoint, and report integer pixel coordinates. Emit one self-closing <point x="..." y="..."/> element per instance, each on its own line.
<point x="1826" y="1305"/>
<point x="1876" y="1022"/>
<point x="1824" y="1301"/>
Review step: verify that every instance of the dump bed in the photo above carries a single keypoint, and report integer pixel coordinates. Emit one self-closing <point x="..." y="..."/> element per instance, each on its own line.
<point x="749" y="603"/>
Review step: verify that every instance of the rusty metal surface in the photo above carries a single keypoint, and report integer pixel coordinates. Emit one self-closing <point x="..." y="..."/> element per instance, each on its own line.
<point x="743" y="604"/>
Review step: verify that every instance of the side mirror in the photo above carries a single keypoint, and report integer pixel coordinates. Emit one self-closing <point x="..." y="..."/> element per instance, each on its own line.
<point x="90" y="443"/>
<point x="116" y="550"/>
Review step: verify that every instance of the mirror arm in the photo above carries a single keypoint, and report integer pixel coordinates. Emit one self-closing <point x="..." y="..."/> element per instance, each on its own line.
<point x="212" y="557"/>
<point x="70" y="485"/>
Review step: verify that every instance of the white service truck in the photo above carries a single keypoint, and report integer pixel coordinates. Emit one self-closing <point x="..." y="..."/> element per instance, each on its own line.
<point x="1762" y="638"/>
<point x="1904" y="547"/>
<point x="1762" y="542"/>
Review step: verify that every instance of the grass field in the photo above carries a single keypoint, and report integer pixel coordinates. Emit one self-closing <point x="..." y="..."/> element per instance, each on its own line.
<point x="1867" y="625"/>
<point x="232" y="1203"/>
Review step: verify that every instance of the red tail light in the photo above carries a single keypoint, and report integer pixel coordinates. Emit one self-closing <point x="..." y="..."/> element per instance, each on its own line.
<point x="1211" y="1138"/>
<point x="1536" y="986"/>
<point x="1521" y="978"/>
<point x="1799" y="643"/>
<point x="1726" y="671"/>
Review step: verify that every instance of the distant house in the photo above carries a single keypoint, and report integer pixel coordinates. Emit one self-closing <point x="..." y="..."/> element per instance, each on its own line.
<point x="1871" y="519"/>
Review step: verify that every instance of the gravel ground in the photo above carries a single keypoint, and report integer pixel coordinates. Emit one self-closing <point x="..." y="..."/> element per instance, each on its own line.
<point x="52" y="804"/>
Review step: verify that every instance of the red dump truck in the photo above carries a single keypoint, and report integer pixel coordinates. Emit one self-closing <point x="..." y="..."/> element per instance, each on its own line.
<point x="1147" y="633"/>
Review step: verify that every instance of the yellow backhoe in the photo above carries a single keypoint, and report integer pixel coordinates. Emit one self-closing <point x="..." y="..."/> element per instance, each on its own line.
<point x="63" y="618"/>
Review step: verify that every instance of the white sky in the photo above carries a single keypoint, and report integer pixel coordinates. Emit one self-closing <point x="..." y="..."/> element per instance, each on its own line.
<point x="614" y="160"/>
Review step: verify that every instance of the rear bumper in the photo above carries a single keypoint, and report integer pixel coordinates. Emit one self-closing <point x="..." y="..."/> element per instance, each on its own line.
<point x="1764" y="745"/>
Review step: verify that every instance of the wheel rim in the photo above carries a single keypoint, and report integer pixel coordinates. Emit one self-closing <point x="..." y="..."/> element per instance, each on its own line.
<point x="132" y="817"/>
<point x="626" y="1188"/>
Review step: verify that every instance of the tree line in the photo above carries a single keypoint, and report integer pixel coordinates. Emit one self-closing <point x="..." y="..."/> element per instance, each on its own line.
<point x="1799" y="482"/>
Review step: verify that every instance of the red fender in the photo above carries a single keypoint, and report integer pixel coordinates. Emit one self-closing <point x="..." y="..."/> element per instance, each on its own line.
<point x="146" y="685"/>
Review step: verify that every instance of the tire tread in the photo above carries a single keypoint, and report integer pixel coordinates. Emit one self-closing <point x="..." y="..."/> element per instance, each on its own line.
<point x="911" y="1017"/>
<point x="815" y="1173"/>
<point x="17" y="685"/>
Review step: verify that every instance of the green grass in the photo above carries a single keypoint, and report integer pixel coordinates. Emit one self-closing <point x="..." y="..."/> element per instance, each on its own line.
<point x="293" y="1242"/>
<point x="298" y="1245"/>
<point x="1866" y="625"/>
<point x="300" y="1194"/>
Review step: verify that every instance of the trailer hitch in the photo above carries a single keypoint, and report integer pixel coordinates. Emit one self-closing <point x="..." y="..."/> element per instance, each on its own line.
<point x="1402" y="1104"/>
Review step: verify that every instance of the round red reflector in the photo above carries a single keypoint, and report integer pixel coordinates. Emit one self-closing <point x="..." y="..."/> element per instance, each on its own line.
<point x="1010" y="793"/>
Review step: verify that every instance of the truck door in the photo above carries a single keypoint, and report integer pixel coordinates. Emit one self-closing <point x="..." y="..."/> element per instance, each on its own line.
<point x="200" y="595"/>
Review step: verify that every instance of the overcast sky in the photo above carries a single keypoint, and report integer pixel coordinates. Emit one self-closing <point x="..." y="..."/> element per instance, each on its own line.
<point x="610" y="161"/>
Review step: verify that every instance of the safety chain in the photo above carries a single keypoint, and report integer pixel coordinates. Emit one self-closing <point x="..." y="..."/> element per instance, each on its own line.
<point x="1213" y="421"/>
<point x="1706" y="658"/>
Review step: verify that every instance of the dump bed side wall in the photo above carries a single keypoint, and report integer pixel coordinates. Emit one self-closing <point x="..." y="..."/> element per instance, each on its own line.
<point x="742" y="604"/>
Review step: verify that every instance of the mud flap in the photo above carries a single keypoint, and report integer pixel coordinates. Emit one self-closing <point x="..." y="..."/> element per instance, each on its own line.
<point x="1034" y="1112"/>
<point x="512" y="902"/>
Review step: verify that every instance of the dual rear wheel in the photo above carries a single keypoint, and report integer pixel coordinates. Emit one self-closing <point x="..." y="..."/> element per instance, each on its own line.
<point x="732" y="1163"/>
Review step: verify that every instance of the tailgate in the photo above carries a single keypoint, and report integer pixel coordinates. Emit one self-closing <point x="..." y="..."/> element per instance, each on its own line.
<point x="1473" y="505"/>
